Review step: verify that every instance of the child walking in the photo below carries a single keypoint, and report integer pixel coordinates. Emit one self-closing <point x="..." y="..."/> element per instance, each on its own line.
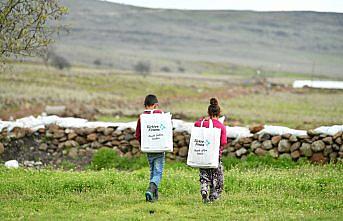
<point x="156" y="160"/>
<point x="212" y="180"/>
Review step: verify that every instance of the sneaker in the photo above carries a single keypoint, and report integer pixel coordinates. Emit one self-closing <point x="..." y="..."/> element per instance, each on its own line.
<point x="149" y="196"/>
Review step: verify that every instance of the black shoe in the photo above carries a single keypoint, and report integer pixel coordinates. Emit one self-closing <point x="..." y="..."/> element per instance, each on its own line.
<point x="150" y="194"/>
<point x="204" y="198"/>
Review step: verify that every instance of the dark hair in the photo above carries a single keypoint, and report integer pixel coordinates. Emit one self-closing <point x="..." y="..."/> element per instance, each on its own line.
<point x="214" y="108"/>
<point x="150" y="100"/>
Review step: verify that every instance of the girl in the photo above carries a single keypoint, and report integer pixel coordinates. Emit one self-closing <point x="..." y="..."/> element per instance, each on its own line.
<point x="156" y="160"/>
<point x="212" y="180"/>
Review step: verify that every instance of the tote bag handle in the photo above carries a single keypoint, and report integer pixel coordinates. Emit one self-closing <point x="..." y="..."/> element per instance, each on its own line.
<point x="210" y="122"/>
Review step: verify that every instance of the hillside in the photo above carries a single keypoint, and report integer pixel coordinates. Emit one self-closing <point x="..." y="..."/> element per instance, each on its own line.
<point x="121" y="35"/>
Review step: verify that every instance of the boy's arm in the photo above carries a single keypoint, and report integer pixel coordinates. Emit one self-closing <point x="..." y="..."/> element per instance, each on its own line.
<point x="138" y="130"/>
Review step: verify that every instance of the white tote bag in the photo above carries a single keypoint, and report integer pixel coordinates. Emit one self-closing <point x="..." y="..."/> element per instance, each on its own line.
<point x="156" y="133"/>
<point x="203" y="151"/>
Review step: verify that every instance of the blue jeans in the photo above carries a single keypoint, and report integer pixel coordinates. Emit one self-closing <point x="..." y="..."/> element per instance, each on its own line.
<point x="156" y="164"/>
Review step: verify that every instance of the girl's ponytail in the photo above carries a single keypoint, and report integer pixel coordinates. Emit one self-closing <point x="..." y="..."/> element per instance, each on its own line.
<point x="214" y="108"/>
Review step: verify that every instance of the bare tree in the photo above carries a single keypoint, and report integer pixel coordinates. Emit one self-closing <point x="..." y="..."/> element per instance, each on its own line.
<point x="27" y="25"/>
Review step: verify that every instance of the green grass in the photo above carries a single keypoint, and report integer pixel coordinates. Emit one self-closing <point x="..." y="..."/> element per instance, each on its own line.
<point x="266" y="192"/>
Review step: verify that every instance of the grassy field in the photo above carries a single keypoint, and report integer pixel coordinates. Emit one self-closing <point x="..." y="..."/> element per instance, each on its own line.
<point x="26" y="89"/>
<point x="253" y="191"/>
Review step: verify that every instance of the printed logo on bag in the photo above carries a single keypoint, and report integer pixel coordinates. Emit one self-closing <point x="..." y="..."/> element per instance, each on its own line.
<point x="162" y="127"/>
<point x="200" y="148"/>
<point x="154" y="129"/>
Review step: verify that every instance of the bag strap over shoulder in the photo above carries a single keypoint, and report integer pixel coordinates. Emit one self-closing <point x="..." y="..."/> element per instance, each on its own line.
<point x="210" y="123"/>
<point x="152" y="111"/>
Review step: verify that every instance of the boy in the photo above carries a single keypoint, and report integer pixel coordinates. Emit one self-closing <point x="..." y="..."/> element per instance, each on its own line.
<point x="156" y="160"/>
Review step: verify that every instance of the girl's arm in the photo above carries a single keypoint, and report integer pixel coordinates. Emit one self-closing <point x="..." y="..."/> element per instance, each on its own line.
<point x="223" y="138"/>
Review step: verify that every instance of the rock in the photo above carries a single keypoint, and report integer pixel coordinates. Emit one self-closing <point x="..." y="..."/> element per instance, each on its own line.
<point x="328" y="140"/>
<point x="19" y="132"/>
<point x="262" y="137"/>
<point x="117" y="133"/>
<point x="318" y="146"/>
<point x="134" y="143"/>
<point x="71" y="143"/>
<point x="341" y="148"/>
<point x="108" y="131"/>
<point x="335" y="147"/>
<point x="72" y="135"/>
<point x="73" y="153"/>
<point x="311" y="133"/>
<point x="254" y="145"/>
<point x="318" y="158"/>
<point x="43" y="147"/>
<point x="327" y="150"/>
<point x="82" y="152"/>
<point x="293" y="138"/>
<point x="103" y="139"/>
<point x="89" y="130"/>
<point x="95" y="145"/>
<point x="295" y="154"/>
<point x="183" y="151"/>
<point x="241" y="152"/>
<point x="80" y="140"/>
<point x="337" y="135"/>
<point x="115" y="143"/>
<point x="333" y="157"/>
<point x="260" y="152"/>
<point x="295" y="146"/>
<point x="284" y="146"/>
<point x="267" y="145"/>
<point x="338" y="140"/>
<point x="245" y="140"/>
<point x="58" y="134"/>
<point x="256" y="128"/>
<point x="129" y="137"/>
<point x="306" y="149"/>
<point x="273" y="153"/>
<point x="285" y="156"/>
<point x="303" y="137"/>
<point x="28" y="163"/>
<point x="286" y="136"/>
<point x="12" y="164"/>
<point x="2" y="148"/>
<point x="91" y="137"/>
<point x="276" y="140"/>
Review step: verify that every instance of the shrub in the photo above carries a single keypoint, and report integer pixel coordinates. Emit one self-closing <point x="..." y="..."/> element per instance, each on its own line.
<point x="107" y="158"/>
<point x="60" y="62"/>
<point x="165" y="69"/>
<point x="142" y="68"/>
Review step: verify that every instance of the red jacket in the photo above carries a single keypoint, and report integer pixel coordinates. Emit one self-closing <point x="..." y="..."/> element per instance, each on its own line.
<point x="217" y="124"/>
<point x="138" y="127"/>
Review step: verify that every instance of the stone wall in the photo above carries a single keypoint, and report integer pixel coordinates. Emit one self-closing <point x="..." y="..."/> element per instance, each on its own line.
<point x="53" y="144"/>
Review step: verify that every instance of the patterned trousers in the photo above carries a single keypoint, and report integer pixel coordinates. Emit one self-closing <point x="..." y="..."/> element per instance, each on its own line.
<point x="212" y="182"/>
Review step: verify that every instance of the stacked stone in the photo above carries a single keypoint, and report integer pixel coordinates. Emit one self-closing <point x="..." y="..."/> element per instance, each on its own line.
<point x="53" y="144"/>
<point x="319" y="148"/>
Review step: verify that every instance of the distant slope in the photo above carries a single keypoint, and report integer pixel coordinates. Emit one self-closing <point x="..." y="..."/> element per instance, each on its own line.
<point x="121" y="35"/>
